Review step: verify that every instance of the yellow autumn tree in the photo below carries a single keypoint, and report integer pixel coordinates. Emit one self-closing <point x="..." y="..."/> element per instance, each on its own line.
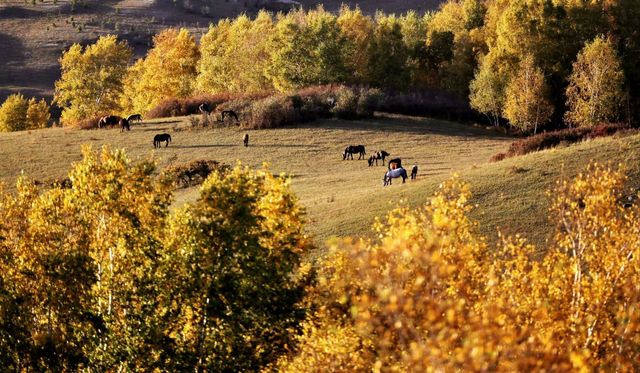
<point x="91" y="80"/>
<point x="168" y="70"/>
<point x="526" y="105"/>
<point x="429" y="295"/>
<point x="595" y="92"/>
<point x="17" y="113"/>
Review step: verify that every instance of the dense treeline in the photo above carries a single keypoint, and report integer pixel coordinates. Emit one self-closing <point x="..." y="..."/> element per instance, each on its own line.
<point x="530" y="62"/>
<point x="99" y="274"/>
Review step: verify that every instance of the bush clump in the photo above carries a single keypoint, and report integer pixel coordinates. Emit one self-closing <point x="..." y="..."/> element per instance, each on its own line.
<point x="18" y="114"/>
<point x="547" y="140"/>
<point x="174" y="107"/>
<point x="88" y="123"/>
<point x="195" y="172"/>
<point x="271" y="112"/>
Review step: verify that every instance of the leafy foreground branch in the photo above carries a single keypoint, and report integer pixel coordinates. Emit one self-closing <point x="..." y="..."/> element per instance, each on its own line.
<point x="102" y="276"/>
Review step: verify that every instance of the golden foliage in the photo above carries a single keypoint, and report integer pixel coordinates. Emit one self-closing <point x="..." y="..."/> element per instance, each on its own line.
<point x="91" y="81"/>
<point x="428" y="295"/>
<point x="168" y="71"/>
<point x="595" y="92"/>
<point x="17" y="113"/>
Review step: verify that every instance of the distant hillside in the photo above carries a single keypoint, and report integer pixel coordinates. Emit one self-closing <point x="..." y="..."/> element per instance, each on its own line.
<point x="33" y="37"/>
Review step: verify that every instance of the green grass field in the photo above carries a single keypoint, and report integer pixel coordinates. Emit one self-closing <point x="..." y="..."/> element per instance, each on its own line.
<point x="343" y="197"/>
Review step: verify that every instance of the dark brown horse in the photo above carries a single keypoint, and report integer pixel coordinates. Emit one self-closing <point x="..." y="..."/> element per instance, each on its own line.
<point x="245" y="139"/>
<point x="136" y="117"/>
<point x="350" y="150"/>
<point x="157" y="139"/>
<point x="109" y="120"/>
<point x="124" y="125"/>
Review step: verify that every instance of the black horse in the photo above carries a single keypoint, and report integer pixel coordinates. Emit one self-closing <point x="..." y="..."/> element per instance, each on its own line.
<point x="350" y="150"/>
<point x="229" y="113"/>
<point x="124" y="125"/>
<point x="157" y="139"/>
<point x="109" y="120"/>
<point x="414" y="172"/>
<point x="136" y="117"/>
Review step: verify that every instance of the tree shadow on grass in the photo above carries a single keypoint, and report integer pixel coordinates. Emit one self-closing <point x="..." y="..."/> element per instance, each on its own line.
<point x="418" y="125"/>
<point x="202" y="146"/>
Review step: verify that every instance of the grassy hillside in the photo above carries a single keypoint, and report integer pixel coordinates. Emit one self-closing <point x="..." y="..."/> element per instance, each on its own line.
<point x="343" y="197"/>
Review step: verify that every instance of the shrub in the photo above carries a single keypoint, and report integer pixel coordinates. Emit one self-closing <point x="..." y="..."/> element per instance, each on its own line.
<point x="98" y="273"/>
<point x="271" y="112"/>
<point x="346" y="105"/>
<point x="88" y="123"/>
<point x="368" y="101"/>
<point x="194" y="172"/>
<point x="17" y="113"/>
<point x="174" y="107"/>
<point x="547" y="140"/>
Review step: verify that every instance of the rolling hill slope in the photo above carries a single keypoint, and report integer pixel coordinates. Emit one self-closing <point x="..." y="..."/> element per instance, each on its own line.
<point x="343" y="197"/>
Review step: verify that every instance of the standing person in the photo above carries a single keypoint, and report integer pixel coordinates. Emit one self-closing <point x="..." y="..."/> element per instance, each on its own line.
<point x="414" y="172"/>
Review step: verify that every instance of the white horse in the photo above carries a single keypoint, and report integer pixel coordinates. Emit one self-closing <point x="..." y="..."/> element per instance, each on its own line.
<point x="394" y="174"/>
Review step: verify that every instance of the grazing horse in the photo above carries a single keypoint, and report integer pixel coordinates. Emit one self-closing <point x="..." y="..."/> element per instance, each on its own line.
<point x="414" y="172"/>
<point x="124" y="125"/>
<point x="229" y="113"/>
<point x="109" y="120"/>
<point x="245" y="139"/>
<point x="394" y="174"/>
<point x="378" y="155"/>
<point x="350" y="150"/>
<point x="136" y="117"/>
<point x="204" y="108"/>
<point x="157" y="139"/>
<point x="395" y="163"/>
<point x="382" y="155"/>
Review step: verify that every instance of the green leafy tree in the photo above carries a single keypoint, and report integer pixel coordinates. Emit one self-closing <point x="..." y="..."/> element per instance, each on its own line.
<point x="91" y="81"/>
<point x="235" y="55"/>
<point x="488" y="91"/>
<point x="308" y="50"/>
<point x="357" y="30"/>
<point x="387" y="62"/>
<point x="80" y="262"/>
<point x="595" y="92"/>
<point x="414" y="29"/>
<point x="526" y="105"/>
